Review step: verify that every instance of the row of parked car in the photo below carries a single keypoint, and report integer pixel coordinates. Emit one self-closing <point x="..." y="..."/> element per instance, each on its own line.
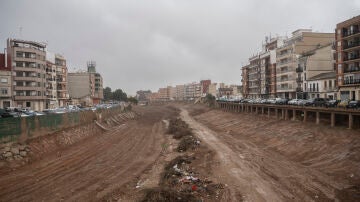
<point x="25" y="112"/>
<point x="315" y="102"/>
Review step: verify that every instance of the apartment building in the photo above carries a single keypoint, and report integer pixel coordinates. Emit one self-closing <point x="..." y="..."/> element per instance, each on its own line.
<point x="164" y="94"/>
<point x="62" y="84"/>
<point x="180" y="90"/>
<point x="192" y="90"/>
<point x="322" y="86"/>
<point x="85" y="88"/>
<point x="347" y="36"/>
<point x="56" y="81"/>
<point x="212" y="89"/>
<point x="268" y="66"/>
<point x="5" y="81"/>
<point x="301" y="41"/>
<point x="312" y="63"/>
<point x="245" y="80"/>
<point x="28" y="73"/>
<point x="205" y="86"/>
<point x="254" y="77"/>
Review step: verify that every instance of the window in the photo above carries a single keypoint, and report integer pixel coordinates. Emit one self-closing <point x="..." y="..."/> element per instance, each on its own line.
<point x="28" y="104"/>
<point x="339" y="56"/>
<point x="19" y="64"/>
<point x="19" y="54"/>
<point x="339" y="43"/>
<point x="4" y="91"/>
<point x="325" y="84"/>
<point x="317" y="86"/>
<point x="330" y="83"/>
<point x="339" y="68"/>
<point x="4" y="80"/>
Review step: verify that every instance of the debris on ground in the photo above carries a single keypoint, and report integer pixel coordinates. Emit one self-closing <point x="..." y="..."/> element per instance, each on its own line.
<point x="178" y="128"/>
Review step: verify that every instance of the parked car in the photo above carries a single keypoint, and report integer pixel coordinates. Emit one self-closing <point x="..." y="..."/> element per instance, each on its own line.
<point x="281" y="101"/>
<point x="355" y="104"/>
<point x="331" y="103"/>
<point x="316" y="102"/>
<point x="343" y="103"/>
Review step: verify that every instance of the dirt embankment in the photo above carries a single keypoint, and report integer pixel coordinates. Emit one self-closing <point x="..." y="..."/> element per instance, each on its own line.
<point x="90" y="168"/>
<point x="281" y="160"/>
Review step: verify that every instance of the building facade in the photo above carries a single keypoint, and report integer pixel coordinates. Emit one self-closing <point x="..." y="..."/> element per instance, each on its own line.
<point x="347" y="36"/>
<point x="312" y="63"/>
<point x="322" y="85"/>
<point x="5" y="81"/>
<point x="28" y="73"/>
<point x="86" y="88"/>
<point x="301" y="41"/>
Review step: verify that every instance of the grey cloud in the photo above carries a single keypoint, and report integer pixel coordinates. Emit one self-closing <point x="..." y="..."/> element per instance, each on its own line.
<point x="149" y="44"/>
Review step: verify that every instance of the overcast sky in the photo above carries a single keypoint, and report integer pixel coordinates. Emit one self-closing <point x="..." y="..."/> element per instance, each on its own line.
<point x="147" y="44"/>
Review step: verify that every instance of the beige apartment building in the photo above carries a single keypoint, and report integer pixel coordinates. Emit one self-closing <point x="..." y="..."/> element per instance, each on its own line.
<point x="28" y="73"/>
<point x="86" y="88"/>
<point x="347" y="36"/>
<point x="301" y="41"/>
<point x="254" y="77"/>
<point x="180" y="90"/>
<point x="310" y="64"/>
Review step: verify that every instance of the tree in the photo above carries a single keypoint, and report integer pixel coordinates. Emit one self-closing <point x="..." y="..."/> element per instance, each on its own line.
<point x="210" y="100"/>
<point x="119" y="95"/>
<point x="108" y="94"/>
<point x="133" y="100"/>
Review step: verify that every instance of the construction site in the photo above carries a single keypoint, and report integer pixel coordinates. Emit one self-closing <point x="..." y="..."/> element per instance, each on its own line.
<point x="180" y="152"/>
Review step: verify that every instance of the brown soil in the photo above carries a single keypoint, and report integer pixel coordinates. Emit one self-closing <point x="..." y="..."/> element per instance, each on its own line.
<point x="93" y="168"/>
<point x="271" y="160"/>
<point x="241" y="157"/>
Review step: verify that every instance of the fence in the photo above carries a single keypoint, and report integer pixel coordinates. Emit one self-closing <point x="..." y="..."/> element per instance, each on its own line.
<point x="21" y="129"/>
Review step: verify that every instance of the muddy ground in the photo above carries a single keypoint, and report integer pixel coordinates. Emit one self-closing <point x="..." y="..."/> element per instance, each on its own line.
<point x="276" y="160"/>
<point x="253" y="158"/>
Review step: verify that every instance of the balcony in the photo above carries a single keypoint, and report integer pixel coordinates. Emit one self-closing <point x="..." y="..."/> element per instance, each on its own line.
<point x="19" y="97"/>
<point x="31" y="88"/>
<point x="349" y="33"/>
<point x="352" y="69"/>
<point x="28" y="69"/>
<point x="299" y="80"/>
<point x="24" y="78"/>
<point x="352" y="45"/>
<point x="330" y="89"/>
<point x="299" y="70"/>
<point x="299" y="89"/>
<point x="353" y="81"/>
<point x="353" y="57"/>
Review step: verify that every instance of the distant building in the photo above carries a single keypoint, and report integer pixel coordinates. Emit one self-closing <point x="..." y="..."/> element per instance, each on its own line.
<point x="180" y="91"/>
<point x="212" y="89"/>
<point x="205" y="86"/>
<point x="5" y="81"/>
<point x="348" y="58"/>
<point x="225" y="92"/>
<point x="29" y="74"/>
<point x="86" y="88"/>
<point x="143" y="95"/>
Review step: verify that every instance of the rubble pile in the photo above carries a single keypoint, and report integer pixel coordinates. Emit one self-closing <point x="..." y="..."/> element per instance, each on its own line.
<point x="14" y="152"/>
<point x="183" y="177"/>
